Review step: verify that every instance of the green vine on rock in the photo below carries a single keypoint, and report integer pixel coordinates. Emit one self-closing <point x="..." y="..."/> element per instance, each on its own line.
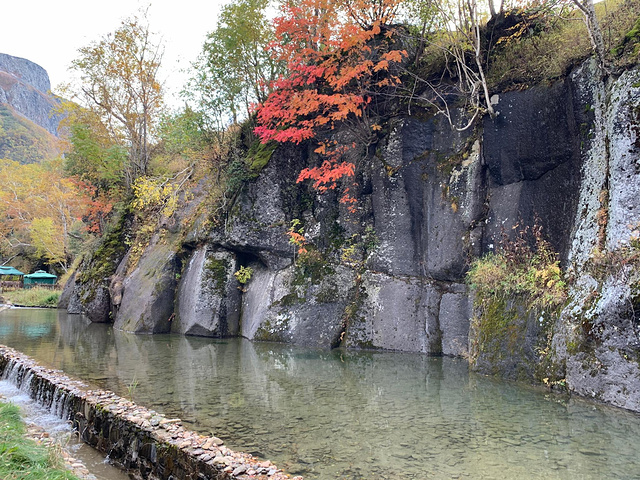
<point x="243" y="275"/>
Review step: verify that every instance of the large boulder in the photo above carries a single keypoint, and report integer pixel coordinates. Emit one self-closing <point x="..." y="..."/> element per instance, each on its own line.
<point x="89" y="299"/>
<point x="396" y="313"/>
<point x="454" y="318"/>
<point x="148" y="292"/>
<point x="261" y="214"/>
<point x="296" y="306"/>
<point x="598" y="340"/>
<point x="87" y="290"/>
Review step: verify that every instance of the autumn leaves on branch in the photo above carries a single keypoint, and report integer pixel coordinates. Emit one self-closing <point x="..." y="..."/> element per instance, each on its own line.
<point x="334" y="70"/>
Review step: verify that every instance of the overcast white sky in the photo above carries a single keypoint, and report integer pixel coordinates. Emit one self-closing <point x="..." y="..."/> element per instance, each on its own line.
<point x="50" y="32"/>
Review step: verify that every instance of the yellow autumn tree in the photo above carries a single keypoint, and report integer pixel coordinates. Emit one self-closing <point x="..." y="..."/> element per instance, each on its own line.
<point x="119" y="82"/>
<point x="45" y="238"/>
<point x="39" y="210"/>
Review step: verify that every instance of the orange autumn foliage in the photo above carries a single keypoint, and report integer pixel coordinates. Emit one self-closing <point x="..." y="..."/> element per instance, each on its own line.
<point x="334" y="69"/>
<point x="98" y="205"/>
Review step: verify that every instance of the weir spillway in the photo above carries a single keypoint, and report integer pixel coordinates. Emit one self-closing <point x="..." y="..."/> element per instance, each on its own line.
<point x="143" y="442"/>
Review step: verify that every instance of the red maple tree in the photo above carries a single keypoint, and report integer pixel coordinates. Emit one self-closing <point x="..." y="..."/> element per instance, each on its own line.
<point x="338" y="56"/>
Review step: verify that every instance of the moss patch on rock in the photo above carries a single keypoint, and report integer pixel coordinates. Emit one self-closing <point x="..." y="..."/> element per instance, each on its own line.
<point x="217" y="273"/>
<point x="105" y="258"/>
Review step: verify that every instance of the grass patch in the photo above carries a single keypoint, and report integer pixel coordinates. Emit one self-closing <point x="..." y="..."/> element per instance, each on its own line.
<point x="560" y="43"/>
<point x="33" y="297"/>
<point x="523" y="267"/>
<point x="519" y="283"/>
<point x="20" y="457"/>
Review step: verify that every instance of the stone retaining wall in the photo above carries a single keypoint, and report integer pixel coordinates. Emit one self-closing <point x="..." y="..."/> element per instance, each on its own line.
<point x="145" y="443"/>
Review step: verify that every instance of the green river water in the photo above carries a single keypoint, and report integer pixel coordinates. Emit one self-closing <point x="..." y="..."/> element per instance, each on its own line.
<point x="341" y="415"/>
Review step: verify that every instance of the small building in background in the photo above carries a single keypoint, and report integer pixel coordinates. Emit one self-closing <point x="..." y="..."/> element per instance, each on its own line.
<point x="10" y="278"/>
<point x="39" y="278"/>
<point x="5" y="270"/>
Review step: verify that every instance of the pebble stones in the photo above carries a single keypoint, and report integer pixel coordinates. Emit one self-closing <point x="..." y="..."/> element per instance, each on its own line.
<point x="74" y="465"/>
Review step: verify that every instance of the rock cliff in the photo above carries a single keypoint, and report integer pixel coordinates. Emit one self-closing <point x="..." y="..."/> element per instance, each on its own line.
<point x="391" y="275"/>
<point x="26" y="104"/>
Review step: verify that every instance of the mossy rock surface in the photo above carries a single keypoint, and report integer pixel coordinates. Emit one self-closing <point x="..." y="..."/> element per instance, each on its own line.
<point x="504" y="337"/>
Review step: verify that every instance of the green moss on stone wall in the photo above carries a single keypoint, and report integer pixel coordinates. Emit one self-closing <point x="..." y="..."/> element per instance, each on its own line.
<point x="217" y="273"/>
<point x="105" y="259"/>
<point x="258" y="156"/>
<point x="273" y="330"/>
<point x="495" y="327"/>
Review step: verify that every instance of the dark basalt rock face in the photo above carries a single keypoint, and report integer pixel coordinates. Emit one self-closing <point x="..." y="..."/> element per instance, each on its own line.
<point x="532" y="155"/>
<point x="391" y="274"/>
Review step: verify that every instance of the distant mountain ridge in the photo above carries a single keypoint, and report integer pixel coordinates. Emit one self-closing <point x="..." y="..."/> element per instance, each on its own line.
<point x="26" y="71"/>
<point x="28" y="129"/>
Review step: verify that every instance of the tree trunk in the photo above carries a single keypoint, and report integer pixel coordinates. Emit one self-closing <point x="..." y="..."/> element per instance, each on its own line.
<point x="595" y="34"/>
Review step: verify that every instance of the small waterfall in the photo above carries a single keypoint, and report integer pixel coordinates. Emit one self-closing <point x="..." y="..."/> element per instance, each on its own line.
<point x="135" y="438"/>
<point x="12" y="372"/>
<point x="16" y="387"/>
<point x="25" y="385"/>
<point x="60" y="404"/>
<point x="52" y="398"/>
<point x="49" y="407"/>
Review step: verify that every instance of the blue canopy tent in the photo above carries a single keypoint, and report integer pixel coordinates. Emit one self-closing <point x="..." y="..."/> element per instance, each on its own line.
<point x="6" y="270"/>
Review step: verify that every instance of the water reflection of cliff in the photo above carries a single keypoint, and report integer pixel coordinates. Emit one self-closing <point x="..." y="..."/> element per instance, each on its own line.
<point x="333" y="414"/>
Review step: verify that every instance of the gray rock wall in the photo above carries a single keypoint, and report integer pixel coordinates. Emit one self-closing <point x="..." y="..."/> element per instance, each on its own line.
<point x="25" y="86"/>
<point x="391" y="274"/>
<point x="208" y="298"/>
<point x="148" y="293"/>
<point x="532" y="154"/>
<point x="596" y="343"/>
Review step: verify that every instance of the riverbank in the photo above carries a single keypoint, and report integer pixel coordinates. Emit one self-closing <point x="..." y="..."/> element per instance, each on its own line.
<point x="31" y="297"/>
<point x="21" y="456"/>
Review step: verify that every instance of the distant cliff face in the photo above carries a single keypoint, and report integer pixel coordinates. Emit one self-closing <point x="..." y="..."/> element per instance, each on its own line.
<point x="26" y="72"/>
<point x="28" y="126"/>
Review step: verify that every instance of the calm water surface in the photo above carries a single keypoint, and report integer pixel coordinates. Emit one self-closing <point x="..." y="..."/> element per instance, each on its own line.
<point x="341" y="415"/>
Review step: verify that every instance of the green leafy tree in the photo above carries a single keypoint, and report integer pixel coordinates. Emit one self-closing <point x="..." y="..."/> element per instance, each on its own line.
<point x="234" y="70"/>
<point x="182" y="133"/>
<point x="93" y="160"/>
